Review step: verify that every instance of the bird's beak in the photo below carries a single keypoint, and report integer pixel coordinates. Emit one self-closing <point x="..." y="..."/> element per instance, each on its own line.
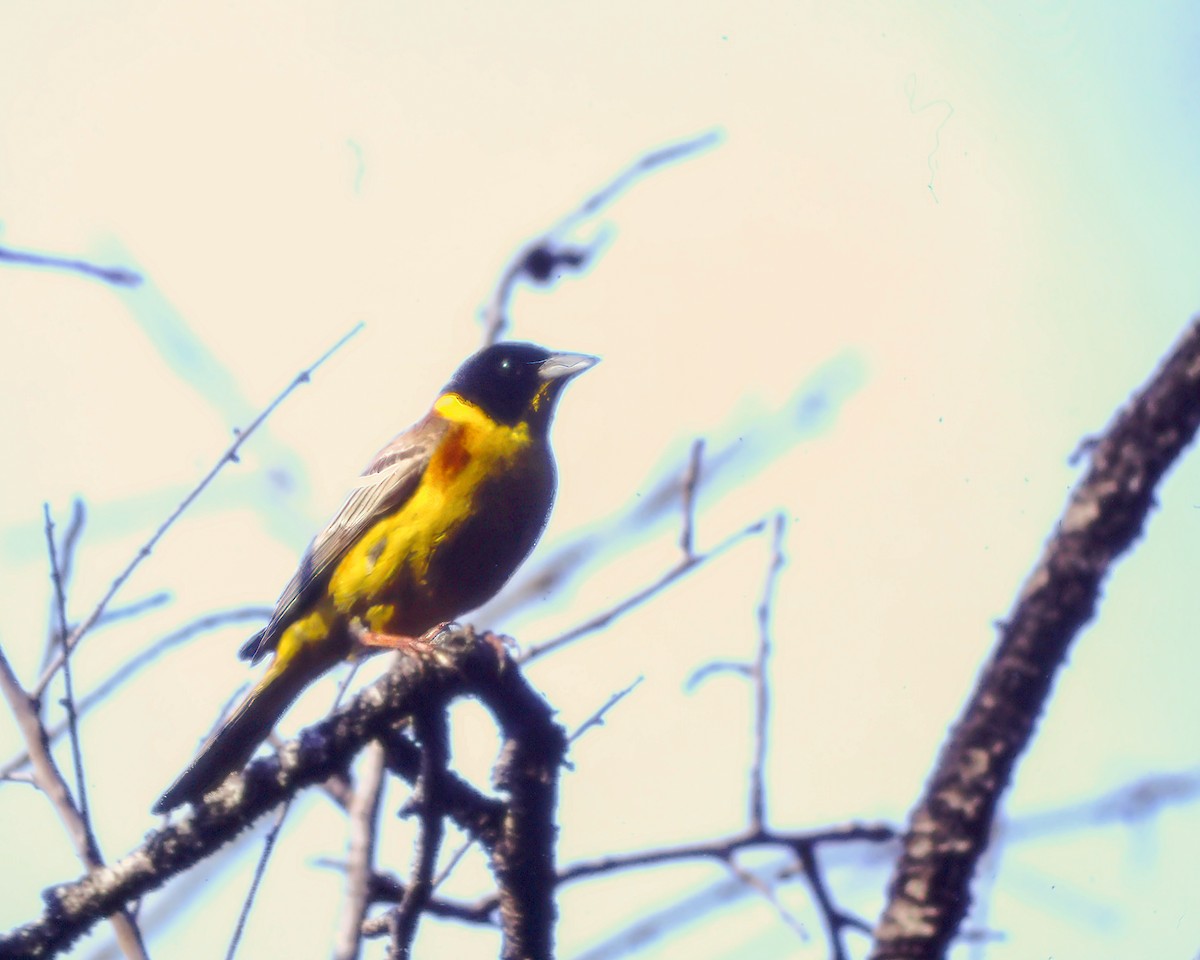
<point x="564" y="366"/>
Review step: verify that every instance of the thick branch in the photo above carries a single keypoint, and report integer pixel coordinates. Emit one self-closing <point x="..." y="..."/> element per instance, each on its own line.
<point x="930" y="889"/>
<point x="523" y="858"/>
<point x="459" y="666"/>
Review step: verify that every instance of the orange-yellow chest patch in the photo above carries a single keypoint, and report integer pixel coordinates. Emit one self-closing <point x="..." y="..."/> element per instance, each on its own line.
<point x="452" y="456"/>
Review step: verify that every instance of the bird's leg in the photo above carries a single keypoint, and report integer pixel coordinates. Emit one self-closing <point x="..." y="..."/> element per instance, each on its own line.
<point x="395" y="641"/>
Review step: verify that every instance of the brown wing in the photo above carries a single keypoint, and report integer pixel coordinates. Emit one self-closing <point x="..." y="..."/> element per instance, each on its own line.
<point x="384" y="486"/>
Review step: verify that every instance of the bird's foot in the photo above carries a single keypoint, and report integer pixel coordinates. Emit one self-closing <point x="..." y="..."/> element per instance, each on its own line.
<point x="396" y="641"/>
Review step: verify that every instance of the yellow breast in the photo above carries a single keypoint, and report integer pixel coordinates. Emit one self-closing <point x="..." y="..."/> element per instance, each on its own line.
<point x="393" y="557"/>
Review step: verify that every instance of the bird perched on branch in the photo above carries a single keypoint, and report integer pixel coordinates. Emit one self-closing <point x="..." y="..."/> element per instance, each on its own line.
<point x="434" y="527"/>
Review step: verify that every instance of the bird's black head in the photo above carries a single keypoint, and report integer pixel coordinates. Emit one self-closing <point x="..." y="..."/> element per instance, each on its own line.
<point x="512" y="382"/>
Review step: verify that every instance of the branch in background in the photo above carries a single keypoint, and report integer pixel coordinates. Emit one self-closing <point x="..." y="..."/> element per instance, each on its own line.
<point x="66" y="567"/>
<point x="260" y="870"/>
<point x="118" y="276"/>
<point x="768" y="890"/>
<point x="804" y="849"/>
<point x="762" y="685"/>
<point x="126" y="671"/>
<point x="691" y="478"/>
<point x="597" y="718"/>
<point x="229" y="456"/>
<point x="603" y="619"/>
<point x="736" y="451"/>
<point x="930" y="891"/>
<point x="723" y="849"/>
<point x="542" y="261"/>
<point x="1137" y="801"/>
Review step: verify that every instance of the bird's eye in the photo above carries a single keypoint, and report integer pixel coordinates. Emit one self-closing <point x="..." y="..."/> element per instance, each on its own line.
<point x="506" y="367"/>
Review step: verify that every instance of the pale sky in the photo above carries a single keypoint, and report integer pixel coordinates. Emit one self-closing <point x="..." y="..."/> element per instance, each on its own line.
<point x="969" y="229"/>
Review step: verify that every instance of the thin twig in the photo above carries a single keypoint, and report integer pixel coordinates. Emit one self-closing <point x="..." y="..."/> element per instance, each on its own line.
<point x="346" y="681"/>
<point x="715" y="668"/>
<point x="597" y="718"/>
<point x="269" y="844"/>
<point x="363" y="817"/>
<point x="602" y="620"/>
<point x="730" y="464"/>
<point x="135" y="608"/>
<point x="453" y="861"/>
<point x="229" y="456"/>
<point x="260" y="870"/>
<point x="691" y="479"/>
<point x="721" y="849"/>
<point x="66" y="566"/>
<point x="118" y="276"/>
<point x="541" y="259"/>
<point x="68" y="702"/>
<point x="132" y="666"/>
<point x="835" y="920"/>
<point x="762" y="686"/>
<point x="766" y="889"/>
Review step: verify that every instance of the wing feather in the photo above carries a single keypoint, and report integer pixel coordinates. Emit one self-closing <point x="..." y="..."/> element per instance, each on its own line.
<point x="383" y="488"/>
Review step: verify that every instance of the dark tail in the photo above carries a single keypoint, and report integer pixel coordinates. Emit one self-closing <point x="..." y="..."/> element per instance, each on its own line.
<point x="232" y="746"/>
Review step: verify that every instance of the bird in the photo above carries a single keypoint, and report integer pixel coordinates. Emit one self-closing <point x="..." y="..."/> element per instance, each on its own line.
<point x="437" y="523"/>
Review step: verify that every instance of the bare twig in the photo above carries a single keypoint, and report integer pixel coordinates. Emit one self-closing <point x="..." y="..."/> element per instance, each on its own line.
<point x="269" y="845"/>
<point x="68" y="702"/>
<point x="118" y="276"/>
<point x="747" y="450"/>
<point x="716" y="667"/>
<point x="229" y="456"/>
<point x="762" y="686"/>
<point x="453" y="861"/>
<point x="260" y="870"/>
<point x="541" y="260"/>
<point x="1141" y="799"/>
<point x="722" y="849"/>
<point x="597" y="718"/>
<point x="835" y="920"/>
<point x="135" y="608"/>
<point x="66" y="565"/>
<point x="766" y="889"/>
<point x="930" y="891"/>
<point x="363" y="817"/>
<point x="130" y="667"/>
<point x="691" y="480"/>
<point x="602" y="620"/>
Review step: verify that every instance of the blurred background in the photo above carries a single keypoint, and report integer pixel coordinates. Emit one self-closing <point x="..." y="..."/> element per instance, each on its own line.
<point x="935" y="247"/>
